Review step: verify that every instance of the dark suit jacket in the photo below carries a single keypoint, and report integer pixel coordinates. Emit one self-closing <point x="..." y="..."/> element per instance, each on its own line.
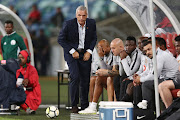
<point x="69" y="37"/>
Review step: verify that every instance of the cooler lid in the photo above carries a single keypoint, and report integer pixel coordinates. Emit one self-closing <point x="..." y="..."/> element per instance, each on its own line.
<point x="115" y="104"/>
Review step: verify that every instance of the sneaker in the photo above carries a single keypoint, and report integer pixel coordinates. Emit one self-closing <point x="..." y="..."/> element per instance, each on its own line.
<point x="30" y="112"/>
<point x="143" y="104"/>
<point x="88" y="110"/>
<point x="97" y="113"/>
<point x="17" y="108"/>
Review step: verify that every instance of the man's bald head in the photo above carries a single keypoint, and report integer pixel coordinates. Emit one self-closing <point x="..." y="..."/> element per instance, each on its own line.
<point x="118" y="42"/>
<point x="117" y="46"/>
<point x="104" y="42"/>
<point x="103" y="47"/>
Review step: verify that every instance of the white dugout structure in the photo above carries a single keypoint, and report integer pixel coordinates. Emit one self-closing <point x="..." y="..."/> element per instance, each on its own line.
<point x="6" y="14"/>
<point x="142" y="12"/>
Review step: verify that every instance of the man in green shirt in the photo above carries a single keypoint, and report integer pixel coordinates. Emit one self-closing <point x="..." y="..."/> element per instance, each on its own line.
<point x="11" y="41"/>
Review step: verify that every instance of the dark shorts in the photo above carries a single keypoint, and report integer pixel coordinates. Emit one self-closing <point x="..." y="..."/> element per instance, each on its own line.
<point x="176" y="82"/>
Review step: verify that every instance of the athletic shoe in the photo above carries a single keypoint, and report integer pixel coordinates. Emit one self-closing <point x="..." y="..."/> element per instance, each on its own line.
<point x="17" y="108"/>
<point x="97" y="113"/>
<point x="88" y="110"/>
<point x="30" y="112"/>
<point x="143" y="104"/>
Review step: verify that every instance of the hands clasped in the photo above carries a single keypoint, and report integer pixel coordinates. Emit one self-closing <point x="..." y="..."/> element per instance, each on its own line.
<point x="85" y="58"/>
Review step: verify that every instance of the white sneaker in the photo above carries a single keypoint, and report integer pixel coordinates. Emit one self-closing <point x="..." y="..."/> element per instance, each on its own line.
<point x="88" y="110"/>
<point x="97" y="113"/>
<point x="143" y="104"/>
<point x="17" y="107"/>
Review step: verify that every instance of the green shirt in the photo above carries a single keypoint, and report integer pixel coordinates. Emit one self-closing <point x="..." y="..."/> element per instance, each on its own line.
<point x="10" y="44"/>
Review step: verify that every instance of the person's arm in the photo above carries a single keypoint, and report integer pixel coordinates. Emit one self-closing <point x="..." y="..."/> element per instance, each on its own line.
<point x="106" y="72"/>
<point x="88" y="52"/>
<point x="33" y="77"/>
<point x="94" y="39"/>
<point x="140" y="71"/>
<point x="133" y="67"/>
<point x="62" y="38"/>
<point x="126" y="66"/>
<point x="150" y="76"/>
<point x="21" y="43"/>
<point x="114" y="71"/>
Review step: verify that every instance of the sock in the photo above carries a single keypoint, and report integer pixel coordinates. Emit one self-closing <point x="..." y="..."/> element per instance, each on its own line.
<point x="90" y="103"/>
<point x="93" y="105"/>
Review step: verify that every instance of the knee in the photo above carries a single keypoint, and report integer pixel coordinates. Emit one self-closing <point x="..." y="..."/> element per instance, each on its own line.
<point x="98" y="81"/>
<point x="162" y="86"/>
<point x="92" y="80"/>
<point x="109" y="80"/>
<point x="74" y="78"/>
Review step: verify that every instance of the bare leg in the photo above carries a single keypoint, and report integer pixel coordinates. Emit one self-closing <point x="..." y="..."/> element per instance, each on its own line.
<point x="92" y="86"/>
<point x="110" y="88"/>
<point x="129" y="89"/>
<point x="115" y="96"/>
<point x="100" y="81"/>
<point x="165" y="92"/>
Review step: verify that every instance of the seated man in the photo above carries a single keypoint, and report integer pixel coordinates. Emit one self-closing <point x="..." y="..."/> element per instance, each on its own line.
<point x="166" y="86"/>
<point x="131" y="63"/>
<point x="105" y="78"/>
<point x="98" y="82"/>
<point x="30" y="77"/>
<point x="167" y="68"/>
<point x="9" y="93"/>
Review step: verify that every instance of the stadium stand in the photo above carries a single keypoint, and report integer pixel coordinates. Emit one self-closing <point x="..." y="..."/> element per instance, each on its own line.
<point x="68" y="7"/>
<point x="98" y="9"/>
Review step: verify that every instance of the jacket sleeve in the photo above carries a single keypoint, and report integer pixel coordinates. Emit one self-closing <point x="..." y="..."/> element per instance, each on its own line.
<point x="33" y="77"/>
<point x="62" y="38"/>
<point x="134" y="66"/>
<point x="93" y="43"/>
<point x="21" y="43"/>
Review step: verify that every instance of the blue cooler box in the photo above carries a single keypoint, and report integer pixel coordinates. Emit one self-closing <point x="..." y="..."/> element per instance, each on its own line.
<point x="115" y="110"/>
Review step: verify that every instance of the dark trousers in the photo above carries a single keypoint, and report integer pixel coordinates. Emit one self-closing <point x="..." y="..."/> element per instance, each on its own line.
<point x="137" y="94"/>
<point x="80" y="78"/>
<point x="148" y="92"/>
<point x="123" y="86"/>
<point x="117" y="87"/>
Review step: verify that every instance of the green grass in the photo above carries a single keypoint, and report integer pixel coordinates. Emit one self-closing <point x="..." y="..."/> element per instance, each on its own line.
<point x="40" y="115"/>
<point x="49" y="91"/>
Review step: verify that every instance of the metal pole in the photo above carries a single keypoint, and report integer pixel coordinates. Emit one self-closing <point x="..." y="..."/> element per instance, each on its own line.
<point x="86" y="5"/>
<point x="154" y="59"/>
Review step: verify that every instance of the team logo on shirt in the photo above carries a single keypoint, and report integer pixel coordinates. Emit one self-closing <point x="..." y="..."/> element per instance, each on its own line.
<point x="144" y="67"/>
<point x="13" y="42"/>
<point x="5" y="43"/>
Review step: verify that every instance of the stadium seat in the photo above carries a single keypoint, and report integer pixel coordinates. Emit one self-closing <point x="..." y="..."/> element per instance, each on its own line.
<point x="158" y="36"/>
<point x="174" y="93"/>
<point x="174" y="36"/>
<point x="170" y="43"/>
<point x="163" y="35"/>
